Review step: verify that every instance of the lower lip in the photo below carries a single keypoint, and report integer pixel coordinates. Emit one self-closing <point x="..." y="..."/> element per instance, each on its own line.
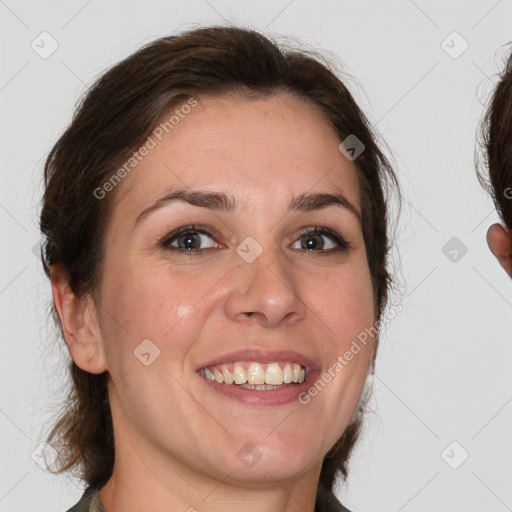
<point x="278" y="396"/>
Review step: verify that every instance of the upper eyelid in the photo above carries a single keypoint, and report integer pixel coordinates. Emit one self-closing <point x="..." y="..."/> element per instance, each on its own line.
<point x="189" y="229"/>
<point x="212" y="232"/>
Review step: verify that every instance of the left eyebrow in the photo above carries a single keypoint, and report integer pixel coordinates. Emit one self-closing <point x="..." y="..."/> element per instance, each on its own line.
<point x="321" y="200"/>
<point x="225" y="202"/>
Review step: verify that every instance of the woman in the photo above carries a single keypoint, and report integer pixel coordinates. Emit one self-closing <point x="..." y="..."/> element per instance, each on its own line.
<point x="497" y="144"/>
<point x="216" y="239"/>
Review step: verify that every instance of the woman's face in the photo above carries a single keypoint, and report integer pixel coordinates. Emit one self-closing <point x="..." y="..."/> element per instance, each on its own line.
<point x="252" y="283"/>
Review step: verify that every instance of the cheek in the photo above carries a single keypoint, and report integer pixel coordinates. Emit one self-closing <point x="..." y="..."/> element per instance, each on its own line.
<point x="346" y="312"/>
<point x="153" y="303"/>
<point x="344" y="303"/>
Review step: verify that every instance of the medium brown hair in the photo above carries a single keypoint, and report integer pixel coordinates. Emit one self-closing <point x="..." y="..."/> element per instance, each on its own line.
<point x="116" y="115"/>
<point x="496" y="141"/>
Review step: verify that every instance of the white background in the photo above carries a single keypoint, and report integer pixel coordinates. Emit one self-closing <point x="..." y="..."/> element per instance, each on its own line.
<point x="443" y="369"/>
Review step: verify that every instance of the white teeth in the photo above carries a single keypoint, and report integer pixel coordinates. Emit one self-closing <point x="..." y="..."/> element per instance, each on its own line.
<point x="287" y="373"/>
<point x="239" y="374"/>
<point x="296" y="371"/>
<point x="262" y="387"/>
<point x="228" y="378"/>
<point x="257" y="375"/>
<point x="274" y="374"/>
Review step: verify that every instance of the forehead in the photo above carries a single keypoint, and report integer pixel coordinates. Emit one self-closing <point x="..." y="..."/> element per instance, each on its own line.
<point x="260" y="150"/>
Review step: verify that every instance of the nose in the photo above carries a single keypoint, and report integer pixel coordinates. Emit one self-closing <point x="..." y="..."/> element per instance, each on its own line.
<point x="265" y="292"/>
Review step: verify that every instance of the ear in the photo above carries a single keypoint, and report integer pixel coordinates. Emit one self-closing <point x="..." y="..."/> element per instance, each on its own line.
<point x="80" y="324"/>
<point x="499" y="240"/>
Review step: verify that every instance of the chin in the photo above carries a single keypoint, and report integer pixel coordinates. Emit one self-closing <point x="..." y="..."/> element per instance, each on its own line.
<point x="264" y="458"/>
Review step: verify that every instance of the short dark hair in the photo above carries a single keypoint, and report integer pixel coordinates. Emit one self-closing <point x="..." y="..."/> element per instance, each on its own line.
<point x="116" y="115"/>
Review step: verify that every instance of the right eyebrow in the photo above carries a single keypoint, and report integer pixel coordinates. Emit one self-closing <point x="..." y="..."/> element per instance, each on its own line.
<point x="219" y="201"/>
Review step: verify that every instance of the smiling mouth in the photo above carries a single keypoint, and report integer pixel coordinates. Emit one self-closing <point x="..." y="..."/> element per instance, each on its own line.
<point x="257" y="376"/>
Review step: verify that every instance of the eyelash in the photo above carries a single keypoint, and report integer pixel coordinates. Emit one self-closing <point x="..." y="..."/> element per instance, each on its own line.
<point x="343" y="245"/>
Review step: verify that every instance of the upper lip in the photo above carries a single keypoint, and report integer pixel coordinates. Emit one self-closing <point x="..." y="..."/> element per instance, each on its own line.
<point x="264" y="356"/>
